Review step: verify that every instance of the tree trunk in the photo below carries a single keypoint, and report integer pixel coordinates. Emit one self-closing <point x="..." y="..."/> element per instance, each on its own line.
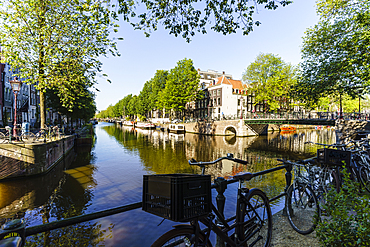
<point x="42" y="110"/>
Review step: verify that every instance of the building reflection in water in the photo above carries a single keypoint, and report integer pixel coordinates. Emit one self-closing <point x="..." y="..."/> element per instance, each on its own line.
<point x="111" y="175"/>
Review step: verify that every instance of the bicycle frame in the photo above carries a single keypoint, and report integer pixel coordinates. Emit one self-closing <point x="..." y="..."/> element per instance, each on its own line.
<point x="222" y="227"/>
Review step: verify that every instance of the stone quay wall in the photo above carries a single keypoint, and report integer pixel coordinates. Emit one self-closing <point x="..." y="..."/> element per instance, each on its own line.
<point x="20" y="159"/>
<point x="221" y="128"/>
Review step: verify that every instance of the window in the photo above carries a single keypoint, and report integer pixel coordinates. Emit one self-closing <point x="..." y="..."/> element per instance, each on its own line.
<point x="219" y="92"/>
<point x="238" y="102"/>
<point x="219" y="101"/>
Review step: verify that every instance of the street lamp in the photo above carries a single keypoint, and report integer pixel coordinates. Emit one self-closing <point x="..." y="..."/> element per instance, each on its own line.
<point x="16" y="87"/>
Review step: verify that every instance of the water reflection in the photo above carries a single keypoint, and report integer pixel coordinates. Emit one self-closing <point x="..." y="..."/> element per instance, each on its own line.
<point x="110" y="175"/>
<point x="164" y="153"/>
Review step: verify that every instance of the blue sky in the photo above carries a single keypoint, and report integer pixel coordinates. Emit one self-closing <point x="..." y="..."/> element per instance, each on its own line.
<point x="280" y="33"/>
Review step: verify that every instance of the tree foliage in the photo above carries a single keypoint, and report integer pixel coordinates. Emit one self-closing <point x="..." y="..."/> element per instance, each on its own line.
<point x="347" y="223"/>
<point x="169" y="90"/>
<point x="271" y="79"/>
<point x="336" y="51"/>
<point x="186" y="17"/>
<point x="84" y="108"/>
<point x="181" y="87"/>
<point x="56" y="44"/>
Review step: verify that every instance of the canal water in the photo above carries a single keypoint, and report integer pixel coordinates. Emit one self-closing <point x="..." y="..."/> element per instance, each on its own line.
<point x="110" y="174"/>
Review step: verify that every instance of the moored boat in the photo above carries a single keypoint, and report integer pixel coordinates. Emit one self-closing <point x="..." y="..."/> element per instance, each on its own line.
<point x="287" y="128"/>
<point x="145" y="125"/>
<point x="176" y="128"/>
<point x="128" y="123"/>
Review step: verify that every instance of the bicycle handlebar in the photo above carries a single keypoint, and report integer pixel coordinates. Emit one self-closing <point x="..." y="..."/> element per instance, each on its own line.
<point x="229" y="156"/>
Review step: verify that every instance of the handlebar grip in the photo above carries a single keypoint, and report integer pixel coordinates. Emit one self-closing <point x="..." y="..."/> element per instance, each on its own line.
<point x="244" y="162"/>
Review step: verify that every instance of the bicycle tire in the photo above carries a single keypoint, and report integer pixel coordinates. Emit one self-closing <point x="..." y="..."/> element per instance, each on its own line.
<point x="2" y="137"/>
<point x="302" y="206"/>
<point x="28" y="137"/>
<point x="331" y="182"/>
<point x="177" y="237"/>
<point x="365" y="177"/>
<point x="335" y="182"/>
<point x="257" y="228"/>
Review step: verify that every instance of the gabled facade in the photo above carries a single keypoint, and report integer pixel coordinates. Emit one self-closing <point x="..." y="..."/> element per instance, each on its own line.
<point x="7" y="110"/>
<point x="208" y="77"/>
<point x="224" y="97"/>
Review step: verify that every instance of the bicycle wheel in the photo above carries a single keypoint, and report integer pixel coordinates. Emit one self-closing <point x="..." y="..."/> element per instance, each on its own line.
<point x="179" y="237"/>
<point x="365" y="177"/>
<point x="257" y="219"/>
<point x="28" y="137"/>
<point x="301" y="204"/>
<point x="328" y="181"/>
<point x="2" y="137"/>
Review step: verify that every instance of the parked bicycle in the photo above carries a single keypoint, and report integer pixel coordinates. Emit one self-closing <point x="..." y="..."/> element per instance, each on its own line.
<point x="301" y="203"/>
<point x="250" y="226"/>
<point x="315" y="177"/>
<point x="47" y="133"/>
<point x="6" y="135"/>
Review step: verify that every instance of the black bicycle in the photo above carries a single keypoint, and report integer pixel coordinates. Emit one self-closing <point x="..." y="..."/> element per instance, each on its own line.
<point x="250" y="226"/>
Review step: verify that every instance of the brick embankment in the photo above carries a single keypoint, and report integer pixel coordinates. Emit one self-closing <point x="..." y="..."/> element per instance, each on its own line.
<point x="283" y="235"/>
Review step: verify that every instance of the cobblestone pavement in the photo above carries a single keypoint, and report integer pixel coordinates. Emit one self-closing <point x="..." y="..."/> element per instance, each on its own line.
<point x="283" y="235"/>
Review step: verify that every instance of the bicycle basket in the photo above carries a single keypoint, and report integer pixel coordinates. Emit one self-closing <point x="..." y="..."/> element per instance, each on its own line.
<point x="177" y="197"/>
<point x="333" y="156"/>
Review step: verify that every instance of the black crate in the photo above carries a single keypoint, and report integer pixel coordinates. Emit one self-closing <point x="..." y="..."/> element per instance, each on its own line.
<point x="333" y="156"/>
<point x="177" y="197"/>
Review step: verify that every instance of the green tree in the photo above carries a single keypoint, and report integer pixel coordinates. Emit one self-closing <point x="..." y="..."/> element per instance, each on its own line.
<point x="132" y="106"/>
<point x="271" y="79"/>
<point x="336" y="51"/>
<point x="144" y="104"/>
<point x="181" y="87"/>
<point x="43" y="39"/>
<point x="158" y="84"/>
<point x="84" y="108"/>
<point x="185" y="18"/>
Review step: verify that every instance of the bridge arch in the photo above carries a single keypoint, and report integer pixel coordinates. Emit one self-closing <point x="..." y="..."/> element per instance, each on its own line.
<point x="230" y="130"/>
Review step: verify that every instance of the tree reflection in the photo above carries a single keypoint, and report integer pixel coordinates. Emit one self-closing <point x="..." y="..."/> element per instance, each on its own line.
<point x="161" y="154"/>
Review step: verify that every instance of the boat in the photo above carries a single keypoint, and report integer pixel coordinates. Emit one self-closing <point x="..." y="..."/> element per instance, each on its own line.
<point x="287" y="132"/>
<point x="128" y="123"/>
<point x="142" y="125"/>
<point x="177" y="128"/>
<point x="176" y="137"/>
<point x="287" y="128"/>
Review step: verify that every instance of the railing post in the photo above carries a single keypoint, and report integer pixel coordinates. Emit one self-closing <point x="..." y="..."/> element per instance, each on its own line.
<point x="220" y="200"/>
<point x="288" y="179"/>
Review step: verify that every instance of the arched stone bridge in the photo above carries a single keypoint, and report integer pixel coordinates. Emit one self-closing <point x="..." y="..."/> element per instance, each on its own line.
<point x="250" y="127"/>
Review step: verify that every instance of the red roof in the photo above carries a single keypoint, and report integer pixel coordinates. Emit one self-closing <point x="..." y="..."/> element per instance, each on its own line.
<point x="237" y="84"/>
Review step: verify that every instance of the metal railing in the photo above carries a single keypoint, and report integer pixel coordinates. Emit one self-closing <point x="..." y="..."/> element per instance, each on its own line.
<point x="220" y="185"/>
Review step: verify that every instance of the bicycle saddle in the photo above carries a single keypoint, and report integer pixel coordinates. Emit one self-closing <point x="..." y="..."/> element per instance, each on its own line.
<point x="243" y="176"/>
